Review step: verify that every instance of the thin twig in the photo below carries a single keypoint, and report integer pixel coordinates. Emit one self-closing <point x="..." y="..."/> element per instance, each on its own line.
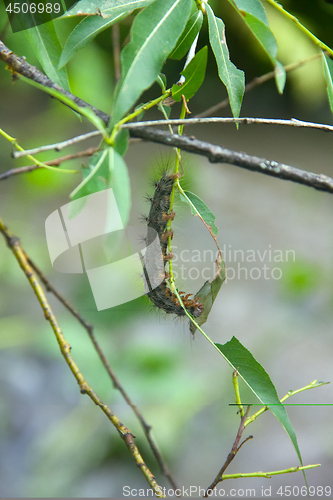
<point x="313" y="385"/>
<point x="57" y="146"/>
<point x="50" y="288"/>
<point x="217" y="154"/>
<point x="56" y="162"/>
<point x="234" y="450"/>
<point x="19" y="170"/>
<point x="127" y="436"/>
<point x="19" y="65"/>
<point x="258" y="80"/>
<point x="216" y="119"/>
<point x="117" y="385"/>
<point x="268" y="475"/>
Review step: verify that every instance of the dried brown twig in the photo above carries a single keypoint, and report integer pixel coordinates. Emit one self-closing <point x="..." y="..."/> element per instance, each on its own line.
<point x="55" y="163"/>
<point x="126" y="435"/>
<point x="234" y="450"/>
<point x="218" y="154"/>
<point x="117" y="385"/>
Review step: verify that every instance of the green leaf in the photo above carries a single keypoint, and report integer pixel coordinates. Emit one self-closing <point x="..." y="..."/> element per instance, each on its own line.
<point x="280" y="76"/>
<point x="253" y="14"/>
<point x="47" y="47"/>
<point x="162" y="81"/>
<point x="232" y="77"/>
<point x="191" y="30"/>
<point x="107" y="169"/>
<point x="199" y="206"/>
<point x="83" y="110"/>
<point x="194" y="75"/>
<point x="328" y="72"/>
<point x="166" y="110"/>
<point x="208" y="292"/>
<point x="207" y="295"/>
<point x="84" y="33"/>
<point x="89" y="113"/>
<point x="122" y="141"/>
<point x="154" y="33"/>
<point x="105" y="9"/>
<point x="254" y="375"/>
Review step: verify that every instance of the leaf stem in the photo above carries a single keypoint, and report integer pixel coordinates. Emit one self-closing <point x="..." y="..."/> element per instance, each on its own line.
<point x="308" y="33"/>
<point x="144" y="107"/>
<point x="200" y="6"/>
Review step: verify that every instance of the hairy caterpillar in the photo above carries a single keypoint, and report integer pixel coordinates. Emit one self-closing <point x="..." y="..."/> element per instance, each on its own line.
<point x="162" y="296"/>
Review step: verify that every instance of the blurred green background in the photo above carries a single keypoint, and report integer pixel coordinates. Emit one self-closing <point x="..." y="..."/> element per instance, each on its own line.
<point x="55" y="442"/>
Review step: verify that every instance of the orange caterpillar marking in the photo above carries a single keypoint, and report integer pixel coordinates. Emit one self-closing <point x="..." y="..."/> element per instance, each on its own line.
<point x="169" y="216"/>
<point x="169" y="256"/>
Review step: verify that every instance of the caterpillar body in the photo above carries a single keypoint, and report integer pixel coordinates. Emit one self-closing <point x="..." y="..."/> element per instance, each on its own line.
<point x="158" y="217"/>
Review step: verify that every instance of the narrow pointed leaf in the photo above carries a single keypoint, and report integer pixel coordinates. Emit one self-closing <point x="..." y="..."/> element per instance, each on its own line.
<point x="328" y="72"/>
<point x="162" y="81"/>
<point x="253" y="14"/>
<point x="84" y="33"/>
<point x="47" y="47"/>
<point x="122" y="142"/>
<point x="107" y="169"/>
<point x="198" y="206"/>
<point x="232" y="77"/>
<point x="84" y="111"/>
<point x="194" y="74"/>
<point x="259" y="382"/>
<point x="166" y="110"/>
<point x="280" y="76"/>
<point x="191" y="30"/>
<point x="208" y="292"/>
<point x="105" y="9"/>
<point x="207" y="295"/>
<point x="154" y="33"/>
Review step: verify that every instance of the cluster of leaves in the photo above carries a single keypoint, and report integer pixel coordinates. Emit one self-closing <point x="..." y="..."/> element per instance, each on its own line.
<point x="160" y="31"/>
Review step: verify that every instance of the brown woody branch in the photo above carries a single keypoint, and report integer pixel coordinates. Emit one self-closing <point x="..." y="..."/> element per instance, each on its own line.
<point x="234" y="450"/>
<point x="218" y="154"/>
<point x="126" y="435"/>
<point x="117" y="385"/>
<point x="215" y="154"/>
